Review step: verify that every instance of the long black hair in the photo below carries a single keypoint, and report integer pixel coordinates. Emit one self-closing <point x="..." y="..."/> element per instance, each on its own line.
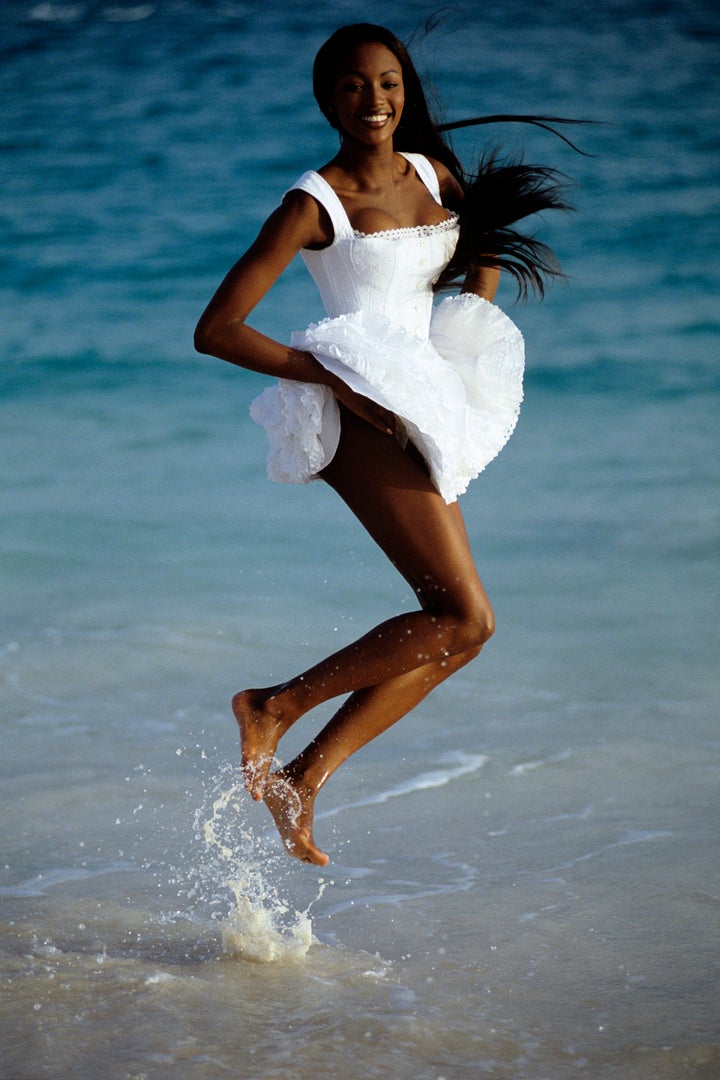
<point x="495" y="197"/>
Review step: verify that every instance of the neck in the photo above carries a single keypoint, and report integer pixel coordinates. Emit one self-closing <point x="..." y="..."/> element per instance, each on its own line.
<point x="367" y="163"/>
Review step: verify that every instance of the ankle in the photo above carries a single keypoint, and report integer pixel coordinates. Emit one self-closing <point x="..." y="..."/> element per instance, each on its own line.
<point x="285" y="703"/>
<point x="277" y="707"/>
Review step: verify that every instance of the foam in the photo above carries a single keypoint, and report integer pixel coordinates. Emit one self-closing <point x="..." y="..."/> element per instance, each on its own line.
<point x="251" y="929"/>
<point x="458" y="765"/>
<point x="40" y="883"/>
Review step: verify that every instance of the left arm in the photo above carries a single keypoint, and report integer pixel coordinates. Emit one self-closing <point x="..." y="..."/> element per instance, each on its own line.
<point x="481" y="280"/>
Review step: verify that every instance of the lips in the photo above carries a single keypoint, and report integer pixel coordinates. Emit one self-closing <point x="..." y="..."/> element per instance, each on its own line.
<point x="375" y="119"/>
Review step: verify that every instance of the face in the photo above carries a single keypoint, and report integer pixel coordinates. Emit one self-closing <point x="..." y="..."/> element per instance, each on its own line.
<point x="368" y="95"/>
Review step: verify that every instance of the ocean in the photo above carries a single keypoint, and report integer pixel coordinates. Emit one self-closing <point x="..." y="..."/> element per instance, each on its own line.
<point x="524" y="872"/>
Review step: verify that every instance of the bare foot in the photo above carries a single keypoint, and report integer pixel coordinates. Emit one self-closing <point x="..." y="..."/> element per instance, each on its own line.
<point x="291" y="806"/>
<point x="259" y="736"/>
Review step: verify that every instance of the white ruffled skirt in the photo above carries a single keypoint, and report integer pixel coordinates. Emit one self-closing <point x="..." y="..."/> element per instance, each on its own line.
<point x="458" y="393"/>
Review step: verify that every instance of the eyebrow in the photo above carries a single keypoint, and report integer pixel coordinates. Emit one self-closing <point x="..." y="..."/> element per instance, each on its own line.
<point x="352" y="71"/>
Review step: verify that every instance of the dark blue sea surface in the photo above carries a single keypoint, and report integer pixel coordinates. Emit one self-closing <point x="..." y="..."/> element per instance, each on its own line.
<point x="523" y="881"/>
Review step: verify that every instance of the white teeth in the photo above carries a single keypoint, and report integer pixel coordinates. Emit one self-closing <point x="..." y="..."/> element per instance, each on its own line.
<point x="374" y="119"/>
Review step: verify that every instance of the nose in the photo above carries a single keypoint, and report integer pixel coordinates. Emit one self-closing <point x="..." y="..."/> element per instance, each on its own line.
<point x="374" y="95"/>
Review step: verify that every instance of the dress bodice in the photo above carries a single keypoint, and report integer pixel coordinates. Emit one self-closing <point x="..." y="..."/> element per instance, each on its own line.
<point x="390" y="273"/>
<point x="450" y="372"/>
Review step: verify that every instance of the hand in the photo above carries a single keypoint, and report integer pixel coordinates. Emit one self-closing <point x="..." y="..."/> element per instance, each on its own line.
<point x="367" y="410"/>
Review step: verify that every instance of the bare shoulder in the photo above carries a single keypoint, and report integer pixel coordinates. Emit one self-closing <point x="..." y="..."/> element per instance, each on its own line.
<point x="450" y="190"/>
<point x="300" y="219"/>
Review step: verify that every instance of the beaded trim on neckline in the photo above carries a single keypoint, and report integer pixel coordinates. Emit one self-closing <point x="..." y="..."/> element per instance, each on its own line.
<point x="410" y="230"/>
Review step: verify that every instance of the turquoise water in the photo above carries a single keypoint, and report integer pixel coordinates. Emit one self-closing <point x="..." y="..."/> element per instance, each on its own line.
<point x="523" y="877"/>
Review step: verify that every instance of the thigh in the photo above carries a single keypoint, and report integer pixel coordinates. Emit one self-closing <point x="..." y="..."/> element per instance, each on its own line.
<point x="390" y="492"/>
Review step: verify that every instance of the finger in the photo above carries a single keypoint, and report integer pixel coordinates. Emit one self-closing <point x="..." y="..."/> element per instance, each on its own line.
<point x="383" y="421"/>
<point x="380" y="417"/>
<point x="370" y="411"/>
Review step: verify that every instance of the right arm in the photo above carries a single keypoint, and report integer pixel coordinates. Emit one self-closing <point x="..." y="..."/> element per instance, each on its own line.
<point x="223" y="332"/>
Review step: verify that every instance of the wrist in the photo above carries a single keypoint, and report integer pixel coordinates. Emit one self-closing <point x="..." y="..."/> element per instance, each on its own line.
<point x="327" y="378"/>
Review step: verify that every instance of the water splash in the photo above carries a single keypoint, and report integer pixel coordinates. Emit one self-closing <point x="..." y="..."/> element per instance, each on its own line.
<point x="256" y="922"/>
<point x="251" y="930"/>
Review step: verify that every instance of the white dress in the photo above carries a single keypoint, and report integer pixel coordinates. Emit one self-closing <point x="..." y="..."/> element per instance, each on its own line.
<point x="451" y="372"/>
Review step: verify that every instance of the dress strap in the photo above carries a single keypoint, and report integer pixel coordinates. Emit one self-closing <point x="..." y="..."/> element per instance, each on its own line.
<point x="426" y="172"/>
<point x="313" y="183"/>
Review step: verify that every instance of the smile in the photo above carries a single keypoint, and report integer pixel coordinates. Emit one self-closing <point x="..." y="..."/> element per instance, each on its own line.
<point x="379" y="118"/>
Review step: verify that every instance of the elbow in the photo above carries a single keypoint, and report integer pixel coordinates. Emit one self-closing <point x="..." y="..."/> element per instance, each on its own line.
<point x="210" y="339"/>
<point x="203" y="339"/>
<point x="218" y="337"/>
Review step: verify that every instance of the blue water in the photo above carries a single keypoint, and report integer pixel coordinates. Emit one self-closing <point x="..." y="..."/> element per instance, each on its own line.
<point x="523" y="878"/>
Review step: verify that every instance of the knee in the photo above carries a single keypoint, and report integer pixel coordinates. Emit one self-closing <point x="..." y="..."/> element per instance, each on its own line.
<point x="483" y="626"/>
<point x="475" y="627"/>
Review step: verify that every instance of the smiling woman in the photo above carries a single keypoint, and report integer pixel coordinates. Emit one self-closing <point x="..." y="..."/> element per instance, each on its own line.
<point x="395" y="403"/>
<point x="367" y="103"/>
<point x="369" y="95"/>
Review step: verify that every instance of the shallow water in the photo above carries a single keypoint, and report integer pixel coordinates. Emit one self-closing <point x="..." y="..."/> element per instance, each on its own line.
<point x="523" y="877"/>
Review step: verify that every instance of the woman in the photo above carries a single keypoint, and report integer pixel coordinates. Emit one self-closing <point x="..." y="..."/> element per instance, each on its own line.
<point x="367" y="402"/>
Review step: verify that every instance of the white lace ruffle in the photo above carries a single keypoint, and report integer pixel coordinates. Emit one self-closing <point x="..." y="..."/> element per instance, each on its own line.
<point x="410" y="230"/>
<point x="302" y="422"/>
<point x="458" y="393"/>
